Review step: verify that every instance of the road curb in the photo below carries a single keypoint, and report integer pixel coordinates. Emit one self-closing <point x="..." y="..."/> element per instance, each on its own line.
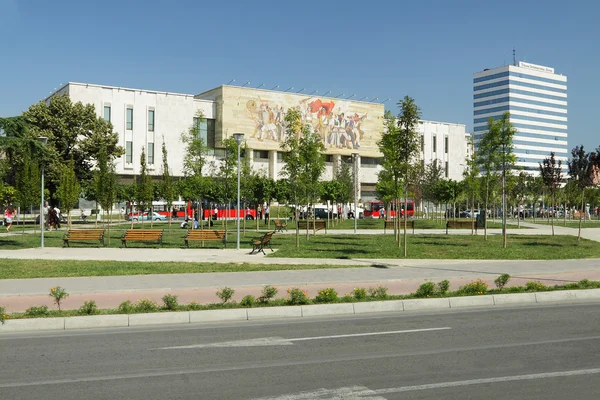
<point x="246" y="314"/>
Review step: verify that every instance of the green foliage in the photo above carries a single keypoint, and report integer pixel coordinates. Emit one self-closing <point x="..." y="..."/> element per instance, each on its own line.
<point x="145" y="188"/>
<point x="248" y="301"/>
<point x="359" y="293"/>
<point x="328" y="295"/>
<point x="379" y="292"/>
<point x="3" y="315"/>
<point x="501" y="281"/>
<point x="58" y="294"/>
<point x="268" y="293"/>
<point x="69" y="189"/>
<point x="427" y="289"/>
<point x="170" y="302"/>
<point x="194" y="157"/>
<point x="145" y="306"/>
<point x="297" y="296"/>
<point x="126" y="307"/>
<point x="194" y="306"/>
<point x="225" y="294"/>
<point x="443" y="286"/>
<point x="89" y="307"/>
<point x="105" y="180"/>
<point x="477" y="286"/>
<point x="167" y="188"/>
<point x="534" y="286"/>
<point x="37" y="311"/>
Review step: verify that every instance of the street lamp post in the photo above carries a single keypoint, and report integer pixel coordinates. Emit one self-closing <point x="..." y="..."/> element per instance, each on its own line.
<point x="238" y="139"/>
<point x="43" y="140"/>
<point x="354" y="158"/>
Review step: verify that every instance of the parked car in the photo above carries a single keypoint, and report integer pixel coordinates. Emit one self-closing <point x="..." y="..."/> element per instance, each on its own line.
<point x="467" y="214"/>
<point x="144" y="217"/>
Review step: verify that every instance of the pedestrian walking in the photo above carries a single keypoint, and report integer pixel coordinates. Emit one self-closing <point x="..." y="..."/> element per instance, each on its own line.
<point x="267" y="212"/>
<point x="9" y="214"/>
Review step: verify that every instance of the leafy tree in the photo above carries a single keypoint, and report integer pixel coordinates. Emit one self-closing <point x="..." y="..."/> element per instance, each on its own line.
<point x="583" y="171"/>
<point x="105" y="184"/>
<point x="432" y="175"/>
<point x="195" y="186"/>
<point x="312" y="166"/>
<point x="68" y="190"/>
<point x="28" y="179"/>
<point x="471" y="182"/>
<point x="399" y="145"/>
<point x="145" y="188"/>
<point x="551" y="173"/>
<point x="167" y="188"/>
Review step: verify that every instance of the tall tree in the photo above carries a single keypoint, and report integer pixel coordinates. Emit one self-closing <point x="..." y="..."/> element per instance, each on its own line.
<point x="583" y="172"/>
<point x="145" y="189"/>
<point x="195" y="187"/>
<point x="551" y="173"/>
<point x="105" y="183"/>
<point x="167" y="187"/>
<point x="312" y="166"/>
<point x="399" y="145"/>
<point x="471" y="183"/>
<point x="68" y="190"/>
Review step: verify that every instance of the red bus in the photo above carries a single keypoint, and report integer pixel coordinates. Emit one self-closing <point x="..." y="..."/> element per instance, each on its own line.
<point x="374" y="209"/>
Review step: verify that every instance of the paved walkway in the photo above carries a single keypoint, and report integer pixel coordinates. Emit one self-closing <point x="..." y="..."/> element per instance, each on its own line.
<point x="399" y="275"/>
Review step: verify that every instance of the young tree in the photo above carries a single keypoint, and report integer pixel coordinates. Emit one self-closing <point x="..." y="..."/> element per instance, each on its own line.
<point x="551" y="173"/>
<point x="105" y="183"/>
<point x="28" y="179"/>
<point x="145" y="189"/>
<point x="583" y="171"/>
<point x="68" y="190"/>
<point x="432" y="175"/>
<point x="312" y="166"/>
<point x="167" y="188"/>
<point x="195" y="187"/>
<point x="399" y="145"/>
<point x="471" y="183"/>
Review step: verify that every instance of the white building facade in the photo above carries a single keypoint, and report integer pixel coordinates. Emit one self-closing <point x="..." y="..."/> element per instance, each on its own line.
<point x="536" y="98"/>
<point x="144" y="119"/>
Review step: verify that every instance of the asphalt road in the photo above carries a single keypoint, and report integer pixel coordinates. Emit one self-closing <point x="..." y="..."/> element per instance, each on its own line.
<point x="541" y="352"/>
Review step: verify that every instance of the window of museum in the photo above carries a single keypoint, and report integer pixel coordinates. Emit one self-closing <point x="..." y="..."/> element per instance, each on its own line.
<point x="150" y="120"/>
<point x="129" y="119"/>
<point x="446" y="169"/>
<point x="205" y="129"/>
<point x="446" y="144"/>
<point x="422" y="143"/>
<point x="434" y="143"/>
<point x="107" y="113"/>
<point x="128" y="152"/>
<point x="150" y="154"/>
<point x="261" y="154"/>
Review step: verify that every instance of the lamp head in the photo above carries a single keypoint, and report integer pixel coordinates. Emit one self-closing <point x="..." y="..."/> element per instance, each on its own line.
<point x="43" y="139"/>
<point x="239" y="137"/>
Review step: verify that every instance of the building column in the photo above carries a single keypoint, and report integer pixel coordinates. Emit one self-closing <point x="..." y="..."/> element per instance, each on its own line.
<point x="337" y="160"/>
<point x="358" y="178"/>
<point x="273" y="164"/>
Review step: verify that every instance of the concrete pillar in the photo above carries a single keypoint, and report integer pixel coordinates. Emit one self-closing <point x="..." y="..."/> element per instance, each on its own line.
<point x="273" y="164"/>
<point x="337" y="160"/>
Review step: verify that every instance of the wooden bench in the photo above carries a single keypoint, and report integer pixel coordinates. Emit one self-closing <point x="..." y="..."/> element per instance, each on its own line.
<point x="207" y="235"/>
<point x="258" y="244"/>
<point x="317" y="224"/>
<point x="280" y="226"/>
<point x="457" y="224"/>
<point x="389" y="224"/>
<point x="142" y="235"/>
<point x="84" y="235"/>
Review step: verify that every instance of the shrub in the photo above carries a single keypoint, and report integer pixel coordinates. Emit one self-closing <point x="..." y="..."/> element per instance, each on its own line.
<point x="425" y="290"/>
<point x="194" y="306"/>
<point x="88" y="308"/>
<point x="58" y="294"/>
<point x="328" y="295"/>
<point x="170" y="302"/>
<point x="359" y="293"/>
<point x="297" y="296"/>
<point x="37" y="311"/>
<point x="501" y="281"/>
<point x="145" y="305"/>
<point x="3" y="315"/>
<point x="477" y="286"/>
<point x="534" y="286"/>
<point x="379" y="292"/>
<point x="225" y="294"/>
<point x="248" y="301"/>
<point x="126" y="307"/>
<point x="443" y="286"/>
<point x="268" y="293"/>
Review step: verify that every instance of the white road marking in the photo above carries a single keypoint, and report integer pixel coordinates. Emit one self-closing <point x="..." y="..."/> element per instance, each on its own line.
<point x="364" y="393"/>
<point x="278" y="341"/>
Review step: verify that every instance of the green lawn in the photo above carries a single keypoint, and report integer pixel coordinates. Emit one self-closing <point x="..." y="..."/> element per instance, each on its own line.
<point x="437" y="247"/>
<point x="20" y="269"/>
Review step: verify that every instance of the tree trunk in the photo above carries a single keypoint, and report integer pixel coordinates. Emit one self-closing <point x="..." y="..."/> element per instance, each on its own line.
<point x="405" y="220"/>
<point x="582" y="211"/>
<point x="553" y="218"/>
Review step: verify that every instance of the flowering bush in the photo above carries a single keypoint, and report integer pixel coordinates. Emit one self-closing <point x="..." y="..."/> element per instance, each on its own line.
<point x="359" y="293"/>
<point x="328" y="295"/>
<point x="59" y="294"/>
<point x="88" y="307"/>
<point x="146" y="305"/>
<point x="126" y="307"/>
<point x="248" y="301"/>
<point x="534" y="286"/>
<point x="37" y="311"/>
<point x="268" y="293"/>
<point x="225" y="294"/>
<point x="379" y="292"/>
<point x="477" y="286"/>
<point x="3" y="315"/>
<point x="170" y="302"/>
<point x="194" y="306"/>
<point x="297" y="296"/>
<point x="443" y="286"/>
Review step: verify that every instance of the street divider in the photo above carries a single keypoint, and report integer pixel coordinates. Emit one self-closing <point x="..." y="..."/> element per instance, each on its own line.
<point x="261" y="313"/>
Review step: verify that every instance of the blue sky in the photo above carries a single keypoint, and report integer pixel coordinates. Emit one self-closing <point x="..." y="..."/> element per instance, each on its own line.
<point x="388" y="49"/>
